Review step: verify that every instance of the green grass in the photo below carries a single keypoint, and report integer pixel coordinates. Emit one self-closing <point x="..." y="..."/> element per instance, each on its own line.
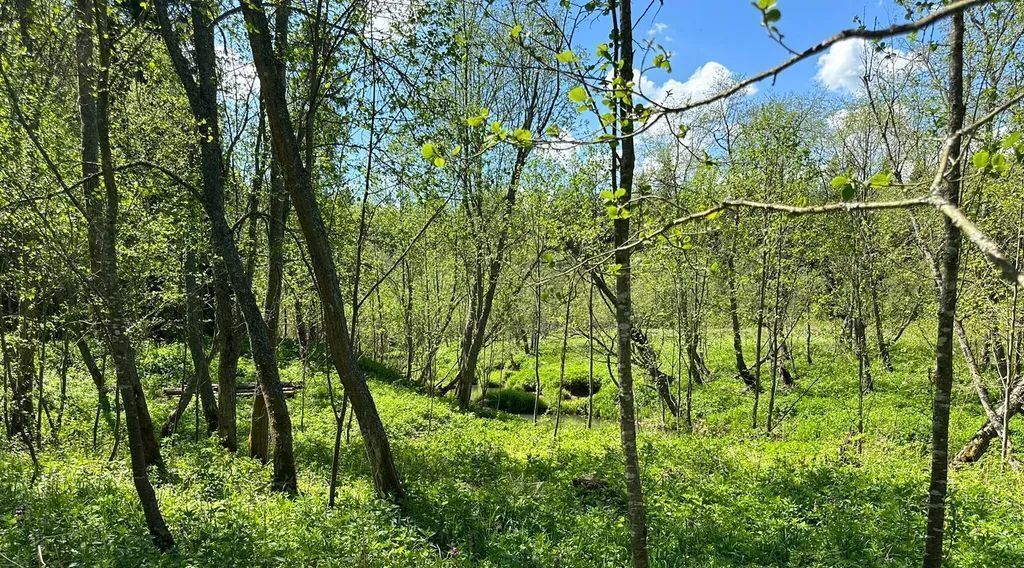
<point x="497" y="490"/>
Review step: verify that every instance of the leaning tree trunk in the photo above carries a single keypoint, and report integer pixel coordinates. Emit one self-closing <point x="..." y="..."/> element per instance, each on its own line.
<point x="201" y="90"/>
<point x="102" y="391"/>
<point x="101" y="222"/>
<point x="950" y="264"/>
<point x="297" y="180"/>
<point x="643" y="353"/>
<point x="980" y="442"/>
<point x="259" y="425"/>
<point x="645" y="356"/>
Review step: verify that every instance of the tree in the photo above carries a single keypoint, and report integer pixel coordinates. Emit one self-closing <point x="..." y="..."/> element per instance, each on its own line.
<point x="949" y="267"/>
<point x="297" y="180"/>
<point x="200" y="89"/>
<point x="101" y="210"/>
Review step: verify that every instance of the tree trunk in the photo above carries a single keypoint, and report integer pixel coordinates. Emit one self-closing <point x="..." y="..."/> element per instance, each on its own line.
<point x="407" y="318"/>
<point x="21" y="388"/>
<point x="286" y="148"/>
<point x="561" y="363"/>
<point x="230" y="335"/>
<point x="734" y="313"/>
<point x="624" y="301"/>
<point x="275" y="253"/>
<point x="950" y="264"/>
<point x="102" y="392"/>
<point x="194" y="337"/>
<point x="202" y="95"/>
<point x="990" y="430"/>
<point x="883" y="346"/>
<point x="101" y="224"/>
<point x="643" y="353"/>
<point x="476" y="322"/>
<point x="102" y="99"/>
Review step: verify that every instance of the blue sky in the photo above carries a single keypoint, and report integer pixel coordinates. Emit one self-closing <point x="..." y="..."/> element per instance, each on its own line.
<point x="729" y="33"/>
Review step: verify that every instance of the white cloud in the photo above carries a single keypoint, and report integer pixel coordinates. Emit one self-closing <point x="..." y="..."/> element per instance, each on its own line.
<point x="656" y="29"/>
<point x="388" y="17"/>
<point x="705" y="81"/>
<point x="562" y="149"/>
<point x="844" y="65"/>
<point x="836" y="120"/>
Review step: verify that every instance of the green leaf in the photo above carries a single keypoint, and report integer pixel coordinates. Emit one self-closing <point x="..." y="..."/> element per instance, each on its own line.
<point x="620" y="193"/>
<point x="567" y="56"/>
<point x="845" y="186"/>
<point x="980" y="159"/>
<point x="522" y="136"/>
<point x="577" y="95"/>
<point x="881" y="179"/>
<point x="612" y="211"/>
<point x="479" y="118"/>
<point x="1010" y="140"/>
<point x="772" y="15"/>
<point x="999" y="164"/>
<point x="764" y="4"/>
<point x="516" y="30"/>
<point x="607" y="195"/>
<point x="439" y="162"/>
<point x="661" y="61"/>
<point x="428" y="150"/>
<point x="839" y="181"/>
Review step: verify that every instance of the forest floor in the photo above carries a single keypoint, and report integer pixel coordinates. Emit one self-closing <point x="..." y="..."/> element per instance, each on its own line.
<point x="497" y="490"/>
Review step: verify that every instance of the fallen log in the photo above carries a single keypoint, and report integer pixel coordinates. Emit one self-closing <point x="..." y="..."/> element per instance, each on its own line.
<point x="241" y="389"/>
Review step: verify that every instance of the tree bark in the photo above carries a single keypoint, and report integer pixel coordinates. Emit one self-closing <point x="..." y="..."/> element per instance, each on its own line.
<point x="950" y="264"/>
<point x="194" y="337"/>
<point x="734" y="312"/>
<point x="230" y="334"/>
<point x="259" y="427"/>
<point x="623" y="289"/>
<point x="102" y="392"/>
<point x="286" y="148"/>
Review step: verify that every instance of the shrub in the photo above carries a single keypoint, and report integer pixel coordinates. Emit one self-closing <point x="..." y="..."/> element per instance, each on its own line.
<point x="513" y="400"/>
<point x="163" y="361"/>
<point x="380" y="371"/>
